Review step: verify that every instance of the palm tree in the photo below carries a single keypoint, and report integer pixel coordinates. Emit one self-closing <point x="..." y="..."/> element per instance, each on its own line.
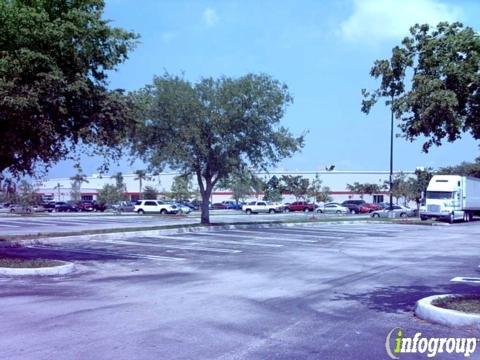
<point x="77" y="181"/>
<point x="141" y="175"/>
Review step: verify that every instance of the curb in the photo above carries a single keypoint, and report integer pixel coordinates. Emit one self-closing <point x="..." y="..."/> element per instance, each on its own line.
<point x="64" y="269"/>
<point x="426" y="311"/>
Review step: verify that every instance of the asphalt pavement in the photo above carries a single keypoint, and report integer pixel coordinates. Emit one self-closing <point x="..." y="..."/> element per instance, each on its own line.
<point x="302" y="292"/>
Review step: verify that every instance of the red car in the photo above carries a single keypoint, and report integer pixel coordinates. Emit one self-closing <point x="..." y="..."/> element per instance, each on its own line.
<point x="372" y="207"/>
<point x="300" y="206"/>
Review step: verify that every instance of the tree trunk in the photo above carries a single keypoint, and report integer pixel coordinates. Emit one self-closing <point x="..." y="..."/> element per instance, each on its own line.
<point x="205" y="217"/>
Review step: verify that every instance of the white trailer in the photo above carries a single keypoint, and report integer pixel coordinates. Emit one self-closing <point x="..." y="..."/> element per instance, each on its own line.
<point x="451" y="197"/>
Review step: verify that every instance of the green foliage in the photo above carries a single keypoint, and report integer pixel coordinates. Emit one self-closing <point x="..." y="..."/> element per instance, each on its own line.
<point x="418" y="185"/>
<point x="273" y="190"/>
<point x="298" y="186"/>
<point x="242" y="183"/>
<point x="150" y="193"/>
<point x="464" y="169"/>
<point x="366" y="188"/>
<point x="55" y="56"/>
<point x="140" y="176"/>
<point x="110" y="194"/>
<point x="318" y="192"/>
<point x="442" y="99"/>
<point x="181" y="187"/>
<point x="27" y="194"/>
<point x="212" y="128"/>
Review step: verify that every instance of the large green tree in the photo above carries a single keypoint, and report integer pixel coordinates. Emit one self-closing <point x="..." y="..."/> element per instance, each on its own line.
<point x="273" y="190"/>
<point x="296" y="185"/>
<point x="181" y="187"/>
<point x="55" y="56"/>
<point x="437" y="83"/>
<point x="213" y="128"/>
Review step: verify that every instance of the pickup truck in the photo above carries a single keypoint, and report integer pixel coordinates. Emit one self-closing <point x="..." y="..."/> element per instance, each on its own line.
<point x="255" y="207"/>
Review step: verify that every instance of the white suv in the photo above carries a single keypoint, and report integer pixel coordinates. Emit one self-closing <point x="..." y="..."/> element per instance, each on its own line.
<point x="154" y="206"/>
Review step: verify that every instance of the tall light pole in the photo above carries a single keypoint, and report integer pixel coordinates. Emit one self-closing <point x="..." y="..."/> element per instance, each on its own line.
<point x="391" y="152"/>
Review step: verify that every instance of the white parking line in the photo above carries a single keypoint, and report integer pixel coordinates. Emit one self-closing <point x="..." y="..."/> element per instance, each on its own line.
<point x="272" y="234"/>
<point x="161" y="245"/>
<point x="203" y="238"/>
<point x="266" y="238"/>
<point x="10" y="225"/>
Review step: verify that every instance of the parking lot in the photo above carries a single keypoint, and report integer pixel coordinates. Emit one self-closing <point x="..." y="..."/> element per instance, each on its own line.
<point x="60" y="223"/>
<point x="300" y="292"/>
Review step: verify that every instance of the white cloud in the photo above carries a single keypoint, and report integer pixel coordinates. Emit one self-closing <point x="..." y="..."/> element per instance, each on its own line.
<point x="210" y="17"/>
<point x="378" y="20"/>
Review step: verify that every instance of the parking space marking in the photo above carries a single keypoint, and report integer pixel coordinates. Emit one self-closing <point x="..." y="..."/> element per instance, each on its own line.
<point x="171" y="246"/>
<point x="206" y="237"/>
<point x="108" y="253"/>
<point x="9" y="225"/>
<point x="291" y="236"/>
<point x="276" y="238"/>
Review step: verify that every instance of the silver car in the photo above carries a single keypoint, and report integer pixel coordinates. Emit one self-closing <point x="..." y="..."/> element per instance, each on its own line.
<point x="394" y="211"/>
<point x="333" y="208"/>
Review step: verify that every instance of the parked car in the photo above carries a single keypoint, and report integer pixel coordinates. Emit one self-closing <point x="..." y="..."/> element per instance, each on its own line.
<point x="333" y="208"/>
<point x="98" y="206"/>
<point x="395" y="211"/>
<point x="232" y="205"/>
<point x="154" y="206"/>
<point x="356" y="206"/>
<point x="62" y="206"/>
<point x="255" y="207"/>
<point x="373" y="207"/>
<point x="5" y="208"/>
<point x="300" y="206"/>
<point x="124" y="206"/>
<point x="85" y="206"/>
<point x="191" y="205"/>
<point x="49" y="206"/>
<point x="219" y="206"/>
<point x="183" y="209"/>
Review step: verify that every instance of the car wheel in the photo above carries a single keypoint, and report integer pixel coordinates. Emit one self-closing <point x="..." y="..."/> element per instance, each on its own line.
<point x="375" y="215"/>
<point x="271" y="211"/>
<point x="319" y="211"/>
<point x="28" y="211"/>
<point x="141" y="212"/>
<point x="353" y="211"/>
<point x="287" y="210"/>
<point x="12" y="210"/>
<point x="306" y="210"/>
<point x="338" y="212"/>
<point x="248" y="211"/>
<point x="403" y="215"/>
<point x="423" y="218"/>
<point x="451" y="220"/>
<point x="163" y="211"/>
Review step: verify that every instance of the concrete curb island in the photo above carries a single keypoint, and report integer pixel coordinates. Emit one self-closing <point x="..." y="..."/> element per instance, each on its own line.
<point x="426" y="311"/>
<point x="63" y="269"/>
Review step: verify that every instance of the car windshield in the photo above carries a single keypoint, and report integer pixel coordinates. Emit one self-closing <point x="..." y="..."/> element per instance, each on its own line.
<point x="439" y="195"/>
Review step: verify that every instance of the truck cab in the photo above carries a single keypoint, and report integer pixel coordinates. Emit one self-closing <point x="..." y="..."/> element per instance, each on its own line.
<point x="447" y="198"/>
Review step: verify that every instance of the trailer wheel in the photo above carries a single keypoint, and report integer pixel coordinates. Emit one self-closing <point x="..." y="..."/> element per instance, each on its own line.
<point x="423" y="218"/>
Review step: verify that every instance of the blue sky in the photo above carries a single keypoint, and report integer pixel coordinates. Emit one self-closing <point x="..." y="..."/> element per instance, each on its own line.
<point x="322" y="50"/>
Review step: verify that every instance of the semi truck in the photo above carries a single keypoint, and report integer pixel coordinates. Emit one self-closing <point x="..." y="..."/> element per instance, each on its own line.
<point x="451" y="198"/>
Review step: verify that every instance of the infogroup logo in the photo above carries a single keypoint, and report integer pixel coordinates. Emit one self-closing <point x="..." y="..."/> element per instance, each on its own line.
<point x="398" y="343"/>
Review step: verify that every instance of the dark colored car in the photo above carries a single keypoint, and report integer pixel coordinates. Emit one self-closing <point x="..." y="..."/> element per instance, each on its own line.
<point x="49" y="206"/>
<point x="356" y="206"/>
<point x="300" y="206"/>
<point x="99" y="206"/>
<point x="61" y="206"/>
<point x="85" y="206"/>
<point x="219" y="206"/>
